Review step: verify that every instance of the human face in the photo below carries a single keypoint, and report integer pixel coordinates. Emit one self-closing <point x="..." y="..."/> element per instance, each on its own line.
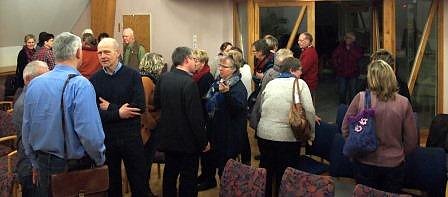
<point x="108" y="55"/>
<point x="303" y="41"/>
<point x="349" y="40"/>
<point x="128" y="37"/>
<point x="297" y="73"/>
<point x="30" y="43"/>
<point x="225" y="68"/>
<point x="258" y="54"/>
<point x="49" y="43"/>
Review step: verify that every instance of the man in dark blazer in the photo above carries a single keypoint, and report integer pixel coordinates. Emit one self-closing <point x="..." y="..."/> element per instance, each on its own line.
<point x="181" y="126"/>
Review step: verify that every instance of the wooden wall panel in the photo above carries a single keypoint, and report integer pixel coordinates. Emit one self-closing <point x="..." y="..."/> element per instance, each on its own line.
<point x="389" y="26"/>
<point x="140" y="24"/>
<point x="103" y="16"/>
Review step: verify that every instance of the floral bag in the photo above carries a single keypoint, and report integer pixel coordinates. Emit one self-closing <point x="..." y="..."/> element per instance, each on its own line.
<point x="362" y="136"/>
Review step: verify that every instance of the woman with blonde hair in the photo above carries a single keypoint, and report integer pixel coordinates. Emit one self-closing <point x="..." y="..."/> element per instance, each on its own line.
<point x="151" y="67"/>
<point x="395" y="129"/>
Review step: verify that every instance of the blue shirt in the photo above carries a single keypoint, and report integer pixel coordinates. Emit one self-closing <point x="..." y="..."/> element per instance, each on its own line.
<point x="42" y="122"/>
<point x="119" y="65"/>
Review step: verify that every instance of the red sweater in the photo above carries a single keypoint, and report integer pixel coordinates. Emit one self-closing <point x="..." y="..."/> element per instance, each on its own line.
<point x="309" y="62"/>
<point x="90" y="63"/>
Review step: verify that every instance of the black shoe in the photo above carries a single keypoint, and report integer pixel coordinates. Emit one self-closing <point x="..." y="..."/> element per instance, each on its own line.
<point x="205" y="185"/>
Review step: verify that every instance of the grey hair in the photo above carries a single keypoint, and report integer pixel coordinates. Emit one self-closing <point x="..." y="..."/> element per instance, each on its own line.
<point x="65" y="46"/>
<point x="130" y="30"/>
<point x="32" y="69"/>
<point x="114" y="42"/>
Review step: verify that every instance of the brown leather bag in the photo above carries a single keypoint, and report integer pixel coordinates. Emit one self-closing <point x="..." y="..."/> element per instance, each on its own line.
<point x="297" y="118"/>
<point x="92" y="182"/>
<point x="89" y="182"/>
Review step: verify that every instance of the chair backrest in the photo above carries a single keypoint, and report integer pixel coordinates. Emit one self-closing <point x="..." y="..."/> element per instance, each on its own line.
<point x="340" y="114"/>
<point x="438" y="132"/>
<point x="324" y="134"/>
<point x="300" y="183"/>
<point x="5" y="105"/>
<point x="364" y="191"/>
<point x="7" y="127"/>
<point x="425" y="169"/>
<point x="242" y="180"/>
<point x="340" y="165"/>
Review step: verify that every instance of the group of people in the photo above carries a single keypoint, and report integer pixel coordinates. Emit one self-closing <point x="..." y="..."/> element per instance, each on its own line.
<point x="123" y="107"/>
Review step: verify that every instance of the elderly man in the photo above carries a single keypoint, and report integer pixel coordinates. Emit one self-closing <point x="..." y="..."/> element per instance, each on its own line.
<point x="42" y="128"/>
<point x="121" y="102"/>
<point x="309" y="62"/>
<point x="24" y="169"/>
<point x="133" y="52"/>
<point x="181" y="126"/>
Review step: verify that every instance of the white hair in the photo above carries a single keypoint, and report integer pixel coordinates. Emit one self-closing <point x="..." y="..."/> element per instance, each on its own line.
<point x="65" y="46"/>
<point x="33" y="69"/>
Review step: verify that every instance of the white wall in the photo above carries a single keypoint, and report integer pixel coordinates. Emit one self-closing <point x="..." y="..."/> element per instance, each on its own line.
<point x="174" y="22"/>
<point x="445" y="56"/>
<point x="21" y="17"/>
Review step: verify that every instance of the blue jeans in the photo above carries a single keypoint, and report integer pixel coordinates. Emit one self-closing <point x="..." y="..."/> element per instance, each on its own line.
<point x="347" y="89"/>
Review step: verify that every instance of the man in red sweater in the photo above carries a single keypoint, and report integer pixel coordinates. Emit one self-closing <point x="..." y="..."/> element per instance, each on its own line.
<point x="309" y="62"/>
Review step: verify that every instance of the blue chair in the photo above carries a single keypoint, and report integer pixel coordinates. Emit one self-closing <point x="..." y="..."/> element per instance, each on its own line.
<point x="340" y="165"/>
<point x="426" y="170"/>
<point x="321" y="148"/>
<point x="340" y="114"/>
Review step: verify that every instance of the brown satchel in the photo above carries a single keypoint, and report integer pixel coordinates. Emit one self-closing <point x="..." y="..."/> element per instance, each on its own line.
<point x="297" y="118"/>
<point x="89" y="182"/>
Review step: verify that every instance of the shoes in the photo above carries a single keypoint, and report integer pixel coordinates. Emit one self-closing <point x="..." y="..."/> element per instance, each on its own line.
<point x="205" y="185"/>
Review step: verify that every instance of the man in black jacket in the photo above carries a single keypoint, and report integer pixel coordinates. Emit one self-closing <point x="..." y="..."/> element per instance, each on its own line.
<point x="181" y="126"/>
<point x="121" y="100"/>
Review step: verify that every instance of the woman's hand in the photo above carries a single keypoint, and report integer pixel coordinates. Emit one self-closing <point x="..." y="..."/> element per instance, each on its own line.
<point x="223" y="87"/>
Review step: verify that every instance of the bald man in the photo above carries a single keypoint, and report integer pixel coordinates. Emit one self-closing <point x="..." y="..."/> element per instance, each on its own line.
<point x="133" y="52"/>
<point x="121" y="101"/>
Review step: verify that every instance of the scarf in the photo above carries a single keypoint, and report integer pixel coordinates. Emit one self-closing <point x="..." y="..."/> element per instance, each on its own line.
<point x="214" y="97"/>
<point x="153" y="77"/>
<point x="260" y="65"/>
<point x="29" y="53"/>
<point x="198" y="75"/>
<point x="286" y="75"/>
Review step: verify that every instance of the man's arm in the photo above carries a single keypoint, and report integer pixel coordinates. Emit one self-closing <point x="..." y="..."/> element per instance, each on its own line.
<point x="87" y="123"/>
<point x="141" y="53"/>
<point x="193" y="110"/>
<point x="29" y="152"/>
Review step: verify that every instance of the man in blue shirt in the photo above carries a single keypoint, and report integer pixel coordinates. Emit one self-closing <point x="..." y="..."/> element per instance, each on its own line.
<point x="42" y="133"/>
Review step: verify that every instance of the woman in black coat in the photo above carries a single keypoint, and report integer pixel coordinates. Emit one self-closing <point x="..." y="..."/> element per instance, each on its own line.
<point x="24" y="58"/>
<point x="226" y="107"/>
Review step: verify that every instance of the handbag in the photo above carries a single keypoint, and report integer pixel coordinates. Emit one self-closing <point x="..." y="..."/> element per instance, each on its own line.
<point x="297" y="118"/>
<point x="92" y="182"/>
<point x="362" y="136"/>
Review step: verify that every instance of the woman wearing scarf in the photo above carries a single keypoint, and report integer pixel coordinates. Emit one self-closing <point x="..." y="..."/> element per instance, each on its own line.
<point x="226" y="108"/>
<point x="24" y="57"/>
<point x="151" y="67"/>
<point x="278" y="146"/>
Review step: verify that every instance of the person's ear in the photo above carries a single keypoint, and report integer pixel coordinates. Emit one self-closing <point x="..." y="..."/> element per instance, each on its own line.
<point x="79" y="53"/>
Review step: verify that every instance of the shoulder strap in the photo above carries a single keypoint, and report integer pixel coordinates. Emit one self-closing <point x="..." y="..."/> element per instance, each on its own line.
<point x="63" y="118"/>
<point x="367" y="101"/>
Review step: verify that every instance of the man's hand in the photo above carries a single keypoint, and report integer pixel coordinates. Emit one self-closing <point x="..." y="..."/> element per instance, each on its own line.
<point x="103" y="104"/>
<point x="207" y="148"/>
<point x="317" y="120"/>
<point x="35" y="177"/>
<point x="126" y="112"/>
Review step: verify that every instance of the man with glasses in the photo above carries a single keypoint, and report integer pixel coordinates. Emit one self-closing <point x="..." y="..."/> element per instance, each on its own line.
<point x="181" y="126"/>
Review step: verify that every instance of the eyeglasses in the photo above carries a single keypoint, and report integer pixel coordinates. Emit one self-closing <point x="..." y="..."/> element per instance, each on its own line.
<point x="223" y="66"/>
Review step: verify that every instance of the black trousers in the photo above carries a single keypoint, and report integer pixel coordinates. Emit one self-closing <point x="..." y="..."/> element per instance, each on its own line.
<point x="382" y="178"/>
<point x="276" y="156"/>
<point x="182" y="165"/>
<point x="126" y="146"/>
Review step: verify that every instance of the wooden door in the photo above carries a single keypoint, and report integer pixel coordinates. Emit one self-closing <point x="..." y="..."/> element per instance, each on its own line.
<point x="141" y="26"/>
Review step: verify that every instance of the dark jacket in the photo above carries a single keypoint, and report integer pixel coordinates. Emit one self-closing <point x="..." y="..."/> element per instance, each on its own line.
<point x="181" y="126"/>
<point x="229" y="122"/>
